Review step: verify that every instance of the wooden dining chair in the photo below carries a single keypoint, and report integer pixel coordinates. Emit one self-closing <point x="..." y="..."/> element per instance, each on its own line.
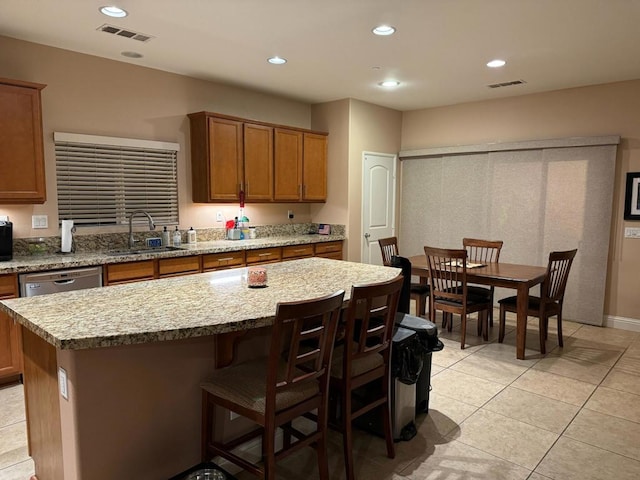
<point x="291" y="382"/>
<point x="364" y="358"/>
<point x="483" y="251"/>
<point x="549" y="303"/>
<point x="449" y="290"/>
<point x="419" y="291"/>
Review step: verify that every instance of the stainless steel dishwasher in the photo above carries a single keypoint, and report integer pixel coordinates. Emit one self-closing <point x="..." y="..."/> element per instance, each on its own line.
<point x="34" y="284"/>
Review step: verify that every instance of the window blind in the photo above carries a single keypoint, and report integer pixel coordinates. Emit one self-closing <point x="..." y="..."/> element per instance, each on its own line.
<point x="101" y="180"/>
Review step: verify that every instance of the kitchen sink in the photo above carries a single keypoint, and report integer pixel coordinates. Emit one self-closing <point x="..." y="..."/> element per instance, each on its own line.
<point x="141" y="251"/>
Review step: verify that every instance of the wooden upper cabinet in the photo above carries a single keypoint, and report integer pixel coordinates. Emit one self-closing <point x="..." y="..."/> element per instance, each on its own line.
<point x="21" y="150"/>
<point x="271" y="163"/>
<point x="258" y="162"/>
<point x="288" y="165"/>
<point x="314" y="168"/>
<point x="216" y="158"/>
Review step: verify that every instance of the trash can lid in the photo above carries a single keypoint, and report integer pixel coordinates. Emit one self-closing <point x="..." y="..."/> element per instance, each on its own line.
<point x="421" y="325"/>
<point x="402" y="335"/>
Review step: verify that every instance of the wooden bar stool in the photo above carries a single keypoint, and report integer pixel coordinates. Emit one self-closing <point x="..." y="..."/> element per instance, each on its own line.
<point x="291" y="382"/>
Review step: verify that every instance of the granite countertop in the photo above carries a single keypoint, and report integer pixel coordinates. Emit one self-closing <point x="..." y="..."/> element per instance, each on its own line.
<point x="183" y="307"/>
<point x="35" y="263"/>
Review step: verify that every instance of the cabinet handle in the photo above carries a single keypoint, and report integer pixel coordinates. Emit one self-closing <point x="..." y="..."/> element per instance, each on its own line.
<point x="264" y="254"/>
<point x="225" y="259"/>
<point x="299" y="190"/>
<point x="304" y="190"/>
<point x="246" y="188"/>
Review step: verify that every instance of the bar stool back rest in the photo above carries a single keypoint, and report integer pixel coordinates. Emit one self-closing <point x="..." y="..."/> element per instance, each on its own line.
<point x="291" y="382"/>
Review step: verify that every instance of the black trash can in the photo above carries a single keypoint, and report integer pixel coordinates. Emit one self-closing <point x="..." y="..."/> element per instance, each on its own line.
<point x="406" y="365"/>
<point x="427" y="335"/>
<point x="204" y="471"/>
<point x="426" y="330"/>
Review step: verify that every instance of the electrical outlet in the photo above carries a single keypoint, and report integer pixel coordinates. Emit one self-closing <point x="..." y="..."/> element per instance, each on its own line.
<point x="290" y="214"/>
<point x="219" y="217"/>
<point x="62" y="383"/>
<point x="39" y="221"/>
<point x="630" y="232"/>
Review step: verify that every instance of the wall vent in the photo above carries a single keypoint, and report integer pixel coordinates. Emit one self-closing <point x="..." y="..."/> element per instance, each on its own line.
<point x="506" y="84"/>
<point x="121" y="32"/>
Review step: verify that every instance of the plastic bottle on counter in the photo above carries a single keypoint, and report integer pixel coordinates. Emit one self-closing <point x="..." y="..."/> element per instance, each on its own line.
<point x="177" y="238"/>
<point x="191" y="235"/>
<point x="166" y="240"/>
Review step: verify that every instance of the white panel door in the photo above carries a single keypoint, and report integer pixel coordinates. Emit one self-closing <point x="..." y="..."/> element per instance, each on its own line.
<point x="378" y="203"/>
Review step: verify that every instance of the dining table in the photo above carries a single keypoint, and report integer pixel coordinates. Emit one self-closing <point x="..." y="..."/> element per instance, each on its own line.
<point x="498" y="274"/>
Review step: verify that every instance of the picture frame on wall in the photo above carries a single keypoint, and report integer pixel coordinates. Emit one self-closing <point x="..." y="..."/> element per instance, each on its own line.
<point x="632" y="197"/>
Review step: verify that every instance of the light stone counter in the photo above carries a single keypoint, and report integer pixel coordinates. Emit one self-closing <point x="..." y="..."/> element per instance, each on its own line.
<point x="183" y="307"/>
<point x="36" y="263"/>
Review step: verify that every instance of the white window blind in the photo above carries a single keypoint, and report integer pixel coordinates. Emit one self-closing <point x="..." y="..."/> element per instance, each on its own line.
<point x="103" y="179"/>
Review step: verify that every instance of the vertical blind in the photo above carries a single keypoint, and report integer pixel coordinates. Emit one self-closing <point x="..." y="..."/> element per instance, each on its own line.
<point x="101" y="180"/>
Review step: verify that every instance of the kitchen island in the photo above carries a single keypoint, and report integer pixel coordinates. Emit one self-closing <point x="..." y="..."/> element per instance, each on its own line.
<point x="134" y="356"/>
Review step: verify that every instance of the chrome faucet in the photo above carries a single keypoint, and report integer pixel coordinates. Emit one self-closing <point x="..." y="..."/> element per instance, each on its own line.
<point x="131" y="215"/>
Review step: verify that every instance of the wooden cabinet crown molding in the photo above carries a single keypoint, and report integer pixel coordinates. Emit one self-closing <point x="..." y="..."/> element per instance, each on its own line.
<point x="268" y="162"/>
<point x="21" y="146"/>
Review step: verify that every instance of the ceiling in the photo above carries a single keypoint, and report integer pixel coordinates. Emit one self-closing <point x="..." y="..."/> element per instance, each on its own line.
<point x="439" y="52"/>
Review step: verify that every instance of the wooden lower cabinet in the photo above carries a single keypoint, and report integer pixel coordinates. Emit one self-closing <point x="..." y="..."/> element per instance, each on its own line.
<point x="116" y="273"/>
<point x="219" y="261"/>
<point x="297" y="251"/>
<point x="264" y="255"/>
<point x="331" y="250"/>
<point x="10" y="334"/>
<point x="172" y="267"/>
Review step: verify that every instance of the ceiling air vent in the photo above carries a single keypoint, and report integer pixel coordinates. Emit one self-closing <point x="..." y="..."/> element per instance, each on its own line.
<point x="507" y="84"/>
<point x="121" y="32"/>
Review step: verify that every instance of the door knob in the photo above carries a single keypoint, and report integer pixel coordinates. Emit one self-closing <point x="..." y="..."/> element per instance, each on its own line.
<point x="366" y="235"/>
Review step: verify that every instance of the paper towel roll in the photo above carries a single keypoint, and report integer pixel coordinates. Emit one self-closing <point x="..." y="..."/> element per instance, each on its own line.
<point x="67" y="236"/>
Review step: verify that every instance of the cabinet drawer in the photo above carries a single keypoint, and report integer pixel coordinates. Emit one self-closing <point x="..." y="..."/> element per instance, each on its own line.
<point x="264" y="255"/>
<point x="331" y="255"/>
<point x="215" y="261"/>
<point x="328" y="247"/>
<point x="129" y="271"/>
<point x="178" y="266"/>
<point x="297" y="251"/>
<point x="8" y="286"/>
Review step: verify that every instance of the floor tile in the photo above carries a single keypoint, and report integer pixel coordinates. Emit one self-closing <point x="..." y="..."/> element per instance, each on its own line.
<point x="576" y="349"/>
<point x="605" y="431"/>
<point x="455" y="460"/>
<point x="13" y="444"/>
<point x="507" y="353"/>
<point x="451" y="353"/>
<point x="537" y="476"/>
<point x="573" y="368"/>
<point x="19" y="471"/>
<point x="614" y="402"/>
<point x="622" y="380"/>
<point x="490" y="368"/>
<point x="506" y="438"/>
<point x="572" y="460"/>
<point x="445" y="415"/>
<point x="629" y="364"/>
<point x="12" y="401"/>
<point x="472" y="390"/>
<point x="602" y="337"/>
<point x="555" y="386"/>
<point x="533" y="409"/>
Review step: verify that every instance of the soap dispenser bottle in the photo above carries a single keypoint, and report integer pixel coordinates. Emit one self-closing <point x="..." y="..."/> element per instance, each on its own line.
<point x="165" y="237"/>
<point x="191" y="235"/>
<point x="177" y="238"/>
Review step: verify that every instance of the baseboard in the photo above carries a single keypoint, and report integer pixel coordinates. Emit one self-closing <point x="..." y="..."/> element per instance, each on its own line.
<point x="623" y="323"/>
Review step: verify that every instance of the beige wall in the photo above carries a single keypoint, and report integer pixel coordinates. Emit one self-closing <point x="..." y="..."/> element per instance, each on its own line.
<point x="86" y="94"/>
<point x="371" y="129"/>
<point x="598" y="110"/>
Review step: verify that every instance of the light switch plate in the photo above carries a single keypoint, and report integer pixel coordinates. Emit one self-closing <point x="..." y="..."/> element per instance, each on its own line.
<point x="630" y="232"/>
<point x="39" y="221"/>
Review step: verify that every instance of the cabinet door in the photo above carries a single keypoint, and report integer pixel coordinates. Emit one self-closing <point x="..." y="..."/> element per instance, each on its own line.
<point x="225" y="159"/>
<point x="171" y="267"/>
<point x="258" y="162"/>
<point x="314" y="168"/>
<point x="288" y="165"/>
<point x="10" y="334"/>
<point x="21" y="151"/>
<point x="128" y="272"/>
<point x="264" y="255"/>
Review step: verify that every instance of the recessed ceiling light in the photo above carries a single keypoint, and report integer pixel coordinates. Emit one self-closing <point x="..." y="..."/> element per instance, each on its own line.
<point x="113" y="11"/>
<point x="384" y="30"/>
<point x="496" y="63"/>
<point x="389" y="83"/>
<point x="131" y="54"/>
<point x="277" y="60"/>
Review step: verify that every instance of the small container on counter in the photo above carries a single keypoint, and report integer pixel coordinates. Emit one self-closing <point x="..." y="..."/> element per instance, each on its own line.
<point x="177" y="237"/>
<point x="191" y="235"/>
<point x="166" y="239"/>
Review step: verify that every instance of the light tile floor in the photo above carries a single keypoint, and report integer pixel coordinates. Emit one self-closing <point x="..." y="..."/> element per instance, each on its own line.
<point x="571" y="414"/>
